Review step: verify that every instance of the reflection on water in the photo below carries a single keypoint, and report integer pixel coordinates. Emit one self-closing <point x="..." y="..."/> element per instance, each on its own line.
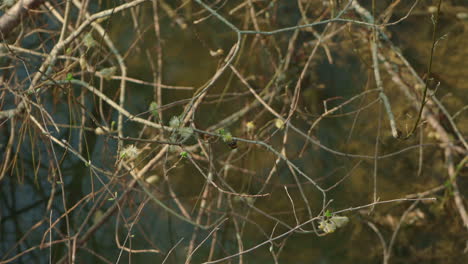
<point x="339" y="70"/>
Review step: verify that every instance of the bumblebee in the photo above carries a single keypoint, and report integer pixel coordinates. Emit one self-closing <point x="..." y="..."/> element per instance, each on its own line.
<point x="232" y="144"/>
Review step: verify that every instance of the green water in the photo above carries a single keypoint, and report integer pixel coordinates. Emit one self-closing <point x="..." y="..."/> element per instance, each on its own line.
<point x="437" y="236"/>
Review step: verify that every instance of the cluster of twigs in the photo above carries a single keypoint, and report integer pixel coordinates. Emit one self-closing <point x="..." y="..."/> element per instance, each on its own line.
<point x="60" y="109"/>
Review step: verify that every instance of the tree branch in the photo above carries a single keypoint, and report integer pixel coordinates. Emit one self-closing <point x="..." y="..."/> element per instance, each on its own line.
<point x="12" y="17"/>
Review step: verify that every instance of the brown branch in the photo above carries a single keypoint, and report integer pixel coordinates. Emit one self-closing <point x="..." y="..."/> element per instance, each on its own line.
<point x="13" y="16"/>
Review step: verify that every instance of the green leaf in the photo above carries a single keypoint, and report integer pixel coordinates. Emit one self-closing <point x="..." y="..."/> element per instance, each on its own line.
<point x="185" y="132"/>
<point x="184" y="154"/>
<point x="69" y="76"/>
<point x="328" y="213"/>
<point x="227" y="137"/>
<point x="448" y="184"/>
<point x="174" y="122"/>
<point x="8" y="3"/>
<point x="113" y="197"/>
<point x="153" y="108"/>
<point x="107" y="73"/>
<point x="89" y="41"/>
<point x="339" y="221"/>
<point x="330" y="225"/>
